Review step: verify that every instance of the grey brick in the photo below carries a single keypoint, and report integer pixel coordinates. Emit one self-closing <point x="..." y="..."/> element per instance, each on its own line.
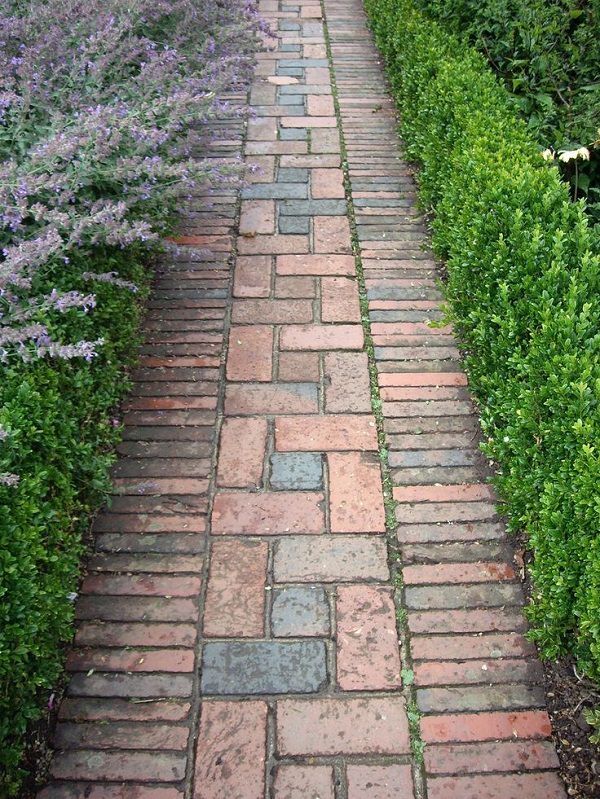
<point x="287" y="25"/>
<point x="263" y="667"/>
<point x="486" y="595"/>
<point x="303" y="62"/>
<point x="294" y="224"/>
<point x="291" y="72"/>
<point x="275" y="191"/>
<point x="296" y="470"/>
<point x="293" y="134"/>
<point x="296" y="88"/>
<point x="300" y="611"/>
<point x="486" y="697"/>
<point x="292" y="175"/>
<point x="313" y="208"/>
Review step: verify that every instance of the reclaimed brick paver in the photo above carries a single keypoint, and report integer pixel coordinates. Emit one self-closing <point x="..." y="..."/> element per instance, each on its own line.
<point x="237" y="630"/>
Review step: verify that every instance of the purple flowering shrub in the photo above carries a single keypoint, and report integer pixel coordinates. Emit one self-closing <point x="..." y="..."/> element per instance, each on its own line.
<point x="101" y="105"/>
<point x="96" y="103"/>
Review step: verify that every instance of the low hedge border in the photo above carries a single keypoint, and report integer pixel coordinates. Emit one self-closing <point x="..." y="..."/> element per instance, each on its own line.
<point x="523" y="293"/>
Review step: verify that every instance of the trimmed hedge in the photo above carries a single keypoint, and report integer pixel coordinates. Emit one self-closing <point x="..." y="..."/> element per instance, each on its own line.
<point x="524" y="296"/>
<point x="60" y="436"/>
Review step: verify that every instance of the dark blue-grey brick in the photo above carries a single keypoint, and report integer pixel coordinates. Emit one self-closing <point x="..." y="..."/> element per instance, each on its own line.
<point x="296" y="471"/>
<point x="300" y="611"/>
<point x="263" y="667"/>
<point x="293" y="134"/>
<point x="275" y="191"/>
<point x="313" y="208"/>
<point x="294" y="224"/>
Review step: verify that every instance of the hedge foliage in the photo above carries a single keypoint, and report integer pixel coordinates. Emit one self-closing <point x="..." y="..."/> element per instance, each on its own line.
<point x="524" y="295"/>
<point x="547" y="54"/>
<point x="101" y="107"/>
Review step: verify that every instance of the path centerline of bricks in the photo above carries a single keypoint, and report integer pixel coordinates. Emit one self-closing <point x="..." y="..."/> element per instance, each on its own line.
<point x="237" y="634"/>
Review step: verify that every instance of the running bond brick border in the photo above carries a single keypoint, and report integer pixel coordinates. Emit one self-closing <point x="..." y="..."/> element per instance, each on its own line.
<point x="479" y="685"/>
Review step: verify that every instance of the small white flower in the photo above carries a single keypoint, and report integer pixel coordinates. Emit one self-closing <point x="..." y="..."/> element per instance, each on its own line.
<point x="547" y="154"/>
<point x="506" y="439"/>
<point x="72" y="596"/>
<point x="571" y="155"/>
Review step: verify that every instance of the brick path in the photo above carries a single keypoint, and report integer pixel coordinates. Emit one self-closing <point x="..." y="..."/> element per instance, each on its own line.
<point x="239" y="633"/>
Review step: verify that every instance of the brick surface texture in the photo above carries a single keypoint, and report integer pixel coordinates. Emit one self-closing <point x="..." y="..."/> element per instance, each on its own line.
<point x="238" y="632"/>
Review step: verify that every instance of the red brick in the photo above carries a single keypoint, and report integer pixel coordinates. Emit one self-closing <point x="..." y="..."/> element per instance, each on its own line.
<point x="311" y="12"/>
<point x="250" y="355"/>
<point x="392" y="781"/>
<point x="466" y="621"/>
<point x="457" y="573"/>
<point x="339" y="300"/>
<point x="444" y="493"/>
<point x="295" y="287"/>
<point x="231" y="750"/>
<point x="321" y="337"/>
<point x="159" y="486"/>
<point x="318" y="75"/>
<point x="272" y="245"/>
<point x="465" y="727"/>
<point x="472" y="672"/>
<point x="347" y="388"/>
<point x="257" y="216"/>
<point x="248" y="399"/>
<point x="135" y="634"/>
<point x="303" y="782"/>
<point x="76" y="790"/>
<point x="140" y="660"/>
<point x="410" y="393"/>
<point x="325" y="433"/>
<point x="276" y="148"/>
<point x="508" y="786"/>
<point x="149" y="523"/>
<point x="169" y="403"/>
<point x="308" y="122"/>
<point x="299" y="367"/>
<point x="268" y="514"/>
<point x="332" y="234"/>
<point x="252" y="276"/>
<point x="324" y="141"/>
<point x="431" y="512"/>
<point x="235" y="598"/>
<point x="369" y="726"/>
<point x="141" y="585"/>
<point x="121" y="735"/>
<point x="262" y="129"/>
<point x="309" y="161"/>
<point x="272" y="312"/>
<point x="106" y="709"/>
<point x="368" y="656"/>
<point x="314" y="50"/>
<point x="315" y="265"/>
<point x="462" y="647"/>
<point x="320" y="105"/>
<point x="260" y="169"/>
<point x="327" y="184"/>
<point x="485" y="757"/>
<point x="241" y="453"/>
<point x="118" y="766"/>
<point x="355" y="493"/>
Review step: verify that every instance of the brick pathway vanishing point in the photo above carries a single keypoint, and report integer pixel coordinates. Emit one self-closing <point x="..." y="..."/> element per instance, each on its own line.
<point x="239" y="633"/>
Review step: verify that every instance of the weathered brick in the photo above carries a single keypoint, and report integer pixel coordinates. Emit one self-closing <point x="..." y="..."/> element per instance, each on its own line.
<point x="509" y="786"/>
<point x="368" y="656"/>
<point x="241" y="453"/>
<point x="422" y="379"/>
<point x="268" y="514"/>
<point x="315" y="265"/>
<point x="321" y="337"/>
<point x="271" y="312"/>
<point x="336" y="558"/>
<point x="347" y="388"/>
<point x="480" y="697"/>
<point x="303" y="782"/>
<point x="327" y="184"/>
<point x="235" y="598"/>
<point x="369" y="726"/>
<point x="457" y="573"/>
<point x="296" y="471"/>
<point x="445" y="512"/>
<point x="248" y="399"/>
<point x="300" y="611"/>
<point x="250" y="355"/>
<point x="231" y="750"/>
<point x="355" y="493"/>
<point x="252" y="276"/>
<point x="295" y="287"/>
<point x="465" y="727"/>
<point x="331" y="234"/>
<point x="466" y="621"/>
<point x="141" y="634"/>
<point x="299" y="366"/>
<point x="272" y="245"/>
<point x="263" y="667"/>
<point x="121" y="735"/>
<point x="392" y="781"/>
<point x="325" y="433"/>
<point x="339" y="300"/>
<point x="106" y="709"/>
<point x="486" y="757"/>
<point x="257" y="216"/>
<point x="141" y="585"/>
<point x="499" y="670"/>
<point x="308" y="122"/>
<point x="134" y="660"/>
<point x="320" y="104"/>
<point x="461" y="647"/>
<point x="75" y="790"/>
<point x="118" y="766"/>
<point x="444" y="493"/>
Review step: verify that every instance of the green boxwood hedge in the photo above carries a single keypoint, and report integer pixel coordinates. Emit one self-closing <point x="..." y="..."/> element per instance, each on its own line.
<point x="58" y="415"/>
<point x="524" y="295"/>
